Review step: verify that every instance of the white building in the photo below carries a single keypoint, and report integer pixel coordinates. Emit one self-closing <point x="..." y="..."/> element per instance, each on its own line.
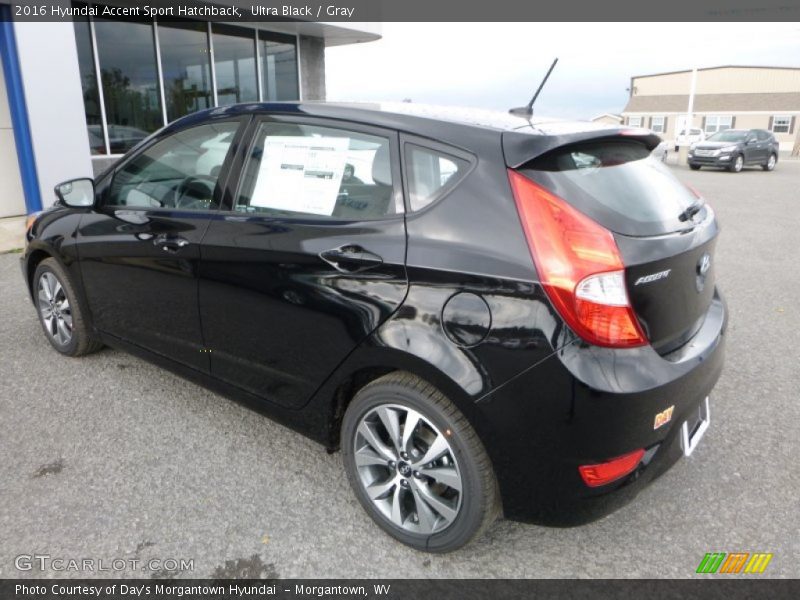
<point x="730" y="97"/>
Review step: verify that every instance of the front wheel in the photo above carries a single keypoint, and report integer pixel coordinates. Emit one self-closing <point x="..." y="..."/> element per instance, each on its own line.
<point x="61" y="314"/>
<point x="737" y="164"/>
<point x="694" y="167"/>
<point x="416" y="465"/>
<point x="771" y="162"/>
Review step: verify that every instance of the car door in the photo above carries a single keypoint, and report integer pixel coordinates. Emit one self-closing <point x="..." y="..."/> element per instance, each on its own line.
<point x="308" y="257"/>
<point x="753" y="152"/>
<point x="139" y="250"/>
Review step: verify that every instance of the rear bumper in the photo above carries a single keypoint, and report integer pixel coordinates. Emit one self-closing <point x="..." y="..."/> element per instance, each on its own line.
<point x="586" y="405"/>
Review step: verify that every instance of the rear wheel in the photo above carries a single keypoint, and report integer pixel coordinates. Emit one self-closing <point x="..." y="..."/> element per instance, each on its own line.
<point x="694" y="167"/>
<point x="62" y="316"/>
<point x="736" y="164"/>
<point x="417" y="466"/>
<point x="771" y="162"/>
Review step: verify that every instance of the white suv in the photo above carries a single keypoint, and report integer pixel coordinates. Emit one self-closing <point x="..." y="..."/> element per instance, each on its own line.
<point x="693" y="136"/>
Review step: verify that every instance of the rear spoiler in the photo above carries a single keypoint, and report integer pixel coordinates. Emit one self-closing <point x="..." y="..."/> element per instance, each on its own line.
<point x="520" y="147"/>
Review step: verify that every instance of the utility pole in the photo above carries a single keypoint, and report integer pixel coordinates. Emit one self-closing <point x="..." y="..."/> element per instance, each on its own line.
<point x="692" y="88"/>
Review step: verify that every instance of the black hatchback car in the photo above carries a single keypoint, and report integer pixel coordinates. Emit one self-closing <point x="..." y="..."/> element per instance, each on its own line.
<point x="487" y="314"/>
<point x="732" y="149"/>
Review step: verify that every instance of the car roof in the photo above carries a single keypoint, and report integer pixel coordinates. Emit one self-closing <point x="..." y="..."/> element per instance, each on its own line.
<point x="519" y="138"/>
<point x="406" y="116"/>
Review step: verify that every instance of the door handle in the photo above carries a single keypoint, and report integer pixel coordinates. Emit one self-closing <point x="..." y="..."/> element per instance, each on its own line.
<point x="351" y="258"/>
<point x="170" y="243"/>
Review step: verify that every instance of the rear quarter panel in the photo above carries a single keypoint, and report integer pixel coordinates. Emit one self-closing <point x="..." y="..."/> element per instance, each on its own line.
<point x="469" y="243"/>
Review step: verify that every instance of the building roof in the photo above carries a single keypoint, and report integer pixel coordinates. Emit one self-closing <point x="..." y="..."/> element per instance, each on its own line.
<point x="609" y="115"/>
<point x="332" y="33"/>
<point x="715" y="69"/>
<point x="773" y="102"/>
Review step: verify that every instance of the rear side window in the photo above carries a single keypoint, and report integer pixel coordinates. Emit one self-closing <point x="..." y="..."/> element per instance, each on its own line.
<point x="617" y="184"/>
<point x="308" y="171"/>
<point x="431" y="174"/>
<point x="762" y="135"/>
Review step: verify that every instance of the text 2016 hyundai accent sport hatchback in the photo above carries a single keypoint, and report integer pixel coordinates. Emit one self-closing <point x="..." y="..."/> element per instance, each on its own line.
<point x="487" y="314"/>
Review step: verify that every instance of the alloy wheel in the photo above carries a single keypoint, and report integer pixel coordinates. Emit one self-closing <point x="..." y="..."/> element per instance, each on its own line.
<point x="771" y="162"/>
<point x="408" y="469"/>
<point x="54" y="308"/>
<point x="737" y="166"/>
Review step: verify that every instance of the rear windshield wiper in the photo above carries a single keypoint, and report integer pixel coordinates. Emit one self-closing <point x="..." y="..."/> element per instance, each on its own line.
<point x="691" y="210"/>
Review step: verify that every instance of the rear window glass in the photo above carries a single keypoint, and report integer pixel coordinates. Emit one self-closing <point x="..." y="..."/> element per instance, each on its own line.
<point x="617" y="184"/>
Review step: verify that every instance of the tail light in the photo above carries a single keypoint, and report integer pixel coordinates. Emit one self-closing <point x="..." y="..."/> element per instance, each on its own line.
<point x="579" y="266"/>
<point x="611" y="470"/>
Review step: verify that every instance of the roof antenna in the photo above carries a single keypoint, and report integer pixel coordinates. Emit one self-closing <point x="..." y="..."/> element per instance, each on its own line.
<point x="527" y="111"/>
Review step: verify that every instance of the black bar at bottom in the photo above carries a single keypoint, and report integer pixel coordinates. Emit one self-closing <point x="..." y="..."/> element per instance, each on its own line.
<point x="730" y="588"/>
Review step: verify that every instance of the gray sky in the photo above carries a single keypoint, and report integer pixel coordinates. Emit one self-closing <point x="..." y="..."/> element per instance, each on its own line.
<point x="499" y="65"/>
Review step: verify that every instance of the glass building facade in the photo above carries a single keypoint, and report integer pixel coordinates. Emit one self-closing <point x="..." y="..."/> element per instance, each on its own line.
<point x="137" y="76"/>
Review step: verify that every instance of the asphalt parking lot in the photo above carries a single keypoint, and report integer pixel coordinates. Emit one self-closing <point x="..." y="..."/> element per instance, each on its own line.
<point x="108" y="457"/>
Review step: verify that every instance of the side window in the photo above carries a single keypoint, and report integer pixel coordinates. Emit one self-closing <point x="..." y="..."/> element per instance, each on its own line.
<point x="300" y="170"/>
<point x="762" y="135"/>
<point x="782" y="124"/>
<point x="431" y="174"/>
<point x="180" y="171"/>
<point x="657" y="124"/>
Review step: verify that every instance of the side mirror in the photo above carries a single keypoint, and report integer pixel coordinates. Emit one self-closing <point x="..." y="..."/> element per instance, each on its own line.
<point x="751" y="141"/>
<point x="76" y="193"/>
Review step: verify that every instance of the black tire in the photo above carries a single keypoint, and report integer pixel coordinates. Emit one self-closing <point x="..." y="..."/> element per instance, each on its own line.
<point x="81" y="341"/>
<point x="737" y="164"/>
<point x="695" y="167"/>
<point x="479" y="499"/>
<point x="772" y="160"/>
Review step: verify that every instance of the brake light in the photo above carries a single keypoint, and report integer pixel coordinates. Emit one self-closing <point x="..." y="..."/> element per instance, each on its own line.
<point x="616" y="468"/>
<point x="579" y="266"/>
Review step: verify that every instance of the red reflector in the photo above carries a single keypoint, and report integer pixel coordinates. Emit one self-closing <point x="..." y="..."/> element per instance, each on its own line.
<point x="693" y="190"/>
<point x="603" y="473"/>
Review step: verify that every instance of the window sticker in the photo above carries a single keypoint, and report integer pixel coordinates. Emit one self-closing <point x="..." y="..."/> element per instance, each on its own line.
<point x="300" y="174"/>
